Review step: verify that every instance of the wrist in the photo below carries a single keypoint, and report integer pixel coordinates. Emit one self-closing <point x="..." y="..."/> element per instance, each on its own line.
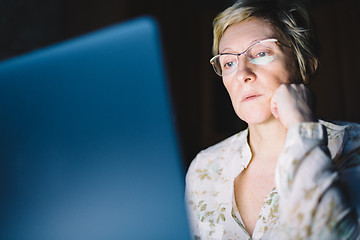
<point x="301" y="118"/>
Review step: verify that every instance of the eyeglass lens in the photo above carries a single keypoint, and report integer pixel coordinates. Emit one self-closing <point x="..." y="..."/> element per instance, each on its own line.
<point x="259" y="54"/>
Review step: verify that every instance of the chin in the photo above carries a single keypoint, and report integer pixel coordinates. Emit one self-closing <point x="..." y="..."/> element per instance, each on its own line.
<point x="254" y="112"/>
<point x="256" y="117"/>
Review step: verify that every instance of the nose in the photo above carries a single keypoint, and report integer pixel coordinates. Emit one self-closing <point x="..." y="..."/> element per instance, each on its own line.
<point x="244" y="71"/>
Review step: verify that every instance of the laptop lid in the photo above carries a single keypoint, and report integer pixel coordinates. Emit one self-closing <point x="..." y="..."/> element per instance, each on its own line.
<point x="88" y="148"/>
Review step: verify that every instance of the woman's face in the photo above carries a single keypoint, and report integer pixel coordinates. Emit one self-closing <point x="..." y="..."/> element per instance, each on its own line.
<point x="251" y="86"/>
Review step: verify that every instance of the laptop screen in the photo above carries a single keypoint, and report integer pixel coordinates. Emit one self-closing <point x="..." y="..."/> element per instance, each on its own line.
<point x="88" y="147"/>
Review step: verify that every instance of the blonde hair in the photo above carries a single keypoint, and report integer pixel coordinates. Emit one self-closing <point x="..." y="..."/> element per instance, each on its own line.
<point x="290" y="18"/>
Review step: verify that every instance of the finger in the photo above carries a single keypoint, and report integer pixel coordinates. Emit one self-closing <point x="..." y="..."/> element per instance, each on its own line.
<point x="306" y="95"/>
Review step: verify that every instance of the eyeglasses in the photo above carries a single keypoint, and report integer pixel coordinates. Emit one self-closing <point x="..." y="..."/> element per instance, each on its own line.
<point x="260" y="53"/>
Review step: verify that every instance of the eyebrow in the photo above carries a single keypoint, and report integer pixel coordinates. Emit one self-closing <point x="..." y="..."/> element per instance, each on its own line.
<point x="251" y="43"/>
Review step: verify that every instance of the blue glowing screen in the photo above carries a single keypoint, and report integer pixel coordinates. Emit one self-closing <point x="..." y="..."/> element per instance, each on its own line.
<point x="88" y="147"/>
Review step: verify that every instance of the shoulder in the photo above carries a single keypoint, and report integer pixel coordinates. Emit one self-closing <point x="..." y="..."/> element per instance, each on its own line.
<point x="341" y="126"/>
<point x="347" y="160"/>
<point x="220" y="152"/>
<point x="344" y="144"/>
<point x="342" y="135"/>
<point x="214" y="164"/>
<point x="208" y="181"/>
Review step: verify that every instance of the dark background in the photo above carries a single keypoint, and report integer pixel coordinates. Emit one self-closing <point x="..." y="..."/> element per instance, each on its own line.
<point x="203" y="108"/>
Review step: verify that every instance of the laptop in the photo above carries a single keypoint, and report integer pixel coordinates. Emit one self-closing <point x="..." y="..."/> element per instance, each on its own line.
<point x="88" y="144"/>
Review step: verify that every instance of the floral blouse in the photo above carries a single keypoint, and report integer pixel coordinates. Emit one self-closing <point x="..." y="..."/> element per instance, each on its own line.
<point x="315" y="191"/>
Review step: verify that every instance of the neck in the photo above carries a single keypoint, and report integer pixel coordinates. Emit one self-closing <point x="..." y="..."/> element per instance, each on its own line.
<point x="267" y="139"/>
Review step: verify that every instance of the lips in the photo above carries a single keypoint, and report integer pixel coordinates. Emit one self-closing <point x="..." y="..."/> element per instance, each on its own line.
<point x="250" y="96"/>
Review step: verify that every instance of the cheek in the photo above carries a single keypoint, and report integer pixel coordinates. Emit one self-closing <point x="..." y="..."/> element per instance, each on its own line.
<point x="227" y="86"/>
<point x="232" y="90"/>
<point x="276" y="76"/>
<point x="290" y="70"/>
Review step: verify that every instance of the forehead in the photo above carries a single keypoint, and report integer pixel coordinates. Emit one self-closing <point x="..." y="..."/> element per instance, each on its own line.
<point x="241" y="35"/>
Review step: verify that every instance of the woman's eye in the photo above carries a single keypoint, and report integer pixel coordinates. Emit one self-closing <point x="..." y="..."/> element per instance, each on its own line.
<point x="262" y="54"/>
<point x="261" y="57"/>
<point x="229" y="64"/>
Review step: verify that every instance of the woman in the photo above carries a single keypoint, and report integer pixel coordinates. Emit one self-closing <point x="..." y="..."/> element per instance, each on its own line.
<point x="281" y="177"/>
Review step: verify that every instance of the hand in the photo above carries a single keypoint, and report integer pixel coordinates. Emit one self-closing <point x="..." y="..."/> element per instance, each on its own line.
<point x="292" y="104"/>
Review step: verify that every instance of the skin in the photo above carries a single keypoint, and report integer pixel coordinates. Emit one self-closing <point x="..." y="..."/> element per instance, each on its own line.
<point x="264" y="97"/>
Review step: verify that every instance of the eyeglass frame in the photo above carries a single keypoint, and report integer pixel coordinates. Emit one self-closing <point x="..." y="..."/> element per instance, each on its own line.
<point x="212" y="62"/>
